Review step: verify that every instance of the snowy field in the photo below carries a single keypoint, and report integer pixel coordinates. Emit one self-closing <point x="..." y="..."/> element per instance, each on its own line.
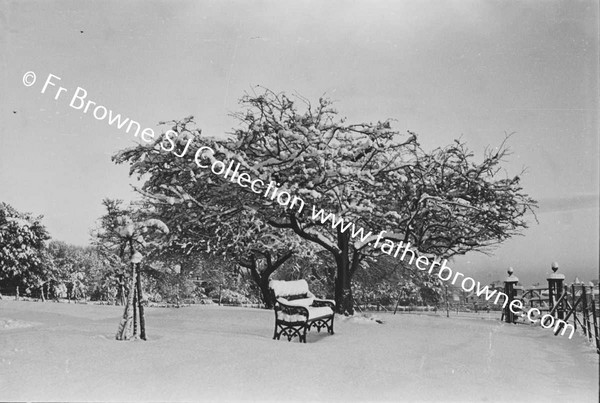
<point x="67" y="352"/>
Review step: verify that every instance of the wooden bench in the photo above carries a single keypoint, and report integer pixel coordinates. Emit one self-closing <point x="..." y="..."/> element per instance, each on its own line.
<point x="297" y="310"/>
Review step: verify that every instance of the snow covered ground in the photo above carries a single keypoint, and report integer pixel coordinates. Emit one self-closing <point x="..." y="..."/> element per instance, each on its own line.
<point x="67" y="352"/>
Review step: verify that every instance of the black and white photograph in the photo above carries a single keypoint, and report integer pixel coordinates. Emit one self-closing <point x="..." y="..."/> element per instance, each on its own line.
<point x="299" y="201"/>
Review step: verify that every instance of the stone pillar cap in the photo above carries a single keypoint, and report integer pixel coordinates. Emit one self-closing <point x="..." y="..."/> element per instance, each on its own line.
<point x="555" y="275"/>
<point x="511" y="278"/>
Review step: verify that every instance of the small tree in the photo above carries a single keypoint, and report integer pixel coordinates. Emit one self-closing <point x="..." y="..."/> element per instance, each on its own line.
<point x="129" y="234"/>
<point x="133" y="235"/>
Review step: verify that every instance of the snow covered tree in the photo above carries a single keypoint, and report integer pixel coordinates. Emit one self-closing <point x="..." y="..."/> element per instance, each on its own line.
<point x="76" y="271"/>
<point x="366" y="174"/>
<point x="385" y="279"/>
<point x="206" y="214"/>
<point x="106" y="240"/>
<point x="129" y="233"/>
<point x="67" y="269"/>
<point x="22" y="248"/>
<point x="257" y="246"/>
<point x="447" y="204"/>
<point x="441" y="202"/>
<point x="345" y="169"/>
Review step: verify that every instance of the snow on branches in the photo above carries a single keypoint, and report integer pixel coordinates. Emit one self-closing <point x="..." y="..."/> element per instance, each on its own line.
<point x="22" y="244"/>
<point x="442" y="202"/>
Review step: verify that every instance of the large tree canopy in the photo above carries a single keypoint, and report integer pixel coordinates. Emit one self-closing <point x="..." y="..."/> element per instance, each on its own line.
<point x="443" y="202"/>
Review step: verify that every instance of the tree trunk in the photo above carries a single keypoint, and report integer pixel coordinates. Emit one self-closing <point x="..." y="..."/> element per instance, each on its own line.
<point x="262" y="278"/>
<point x="120" y="298"/>
<point x="344" y="300"/>
<point x="135" y="311"/>
<point x="125" y="331"/>
<point x="343" y="289"/>
<point x="266" y="293"/>
<point x="140" y="300"/>
<point x="263" y="284"/>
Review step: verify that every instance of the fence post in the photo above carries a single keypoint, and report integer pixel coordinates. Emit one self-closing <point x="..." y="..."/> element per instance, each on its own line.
<point x="575" y="319"/>
<point x="586" y="313"/>
<point x="555" y="290"/>
<point x="509" y="289"/>
<point x="595" y="321"/>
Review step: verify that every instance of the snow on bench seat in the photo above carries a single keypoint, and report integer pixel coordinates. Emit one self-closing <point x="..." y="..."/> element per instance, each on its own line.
<point x="313" y="313"/>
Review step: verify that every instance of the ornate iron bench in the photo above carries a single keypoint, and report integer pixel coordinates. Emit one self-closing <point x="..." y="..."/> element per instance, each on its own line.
<point x="297" y="310"/>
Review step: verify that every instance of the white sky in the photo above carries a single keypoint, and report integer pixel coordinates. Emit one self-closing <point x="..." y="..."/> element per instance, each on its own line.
<point x="441" y="68"/>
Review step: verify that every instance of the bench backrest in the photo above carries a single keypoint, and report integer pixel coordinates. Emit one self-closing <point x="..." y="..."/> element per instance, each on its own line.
<point x="290" y="290"/>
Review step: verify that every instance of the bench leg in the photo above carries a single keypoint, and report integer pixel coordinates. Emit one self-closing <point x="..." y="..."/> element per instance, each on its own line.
<point x="290" y="331"/>
<point x="300" y="329"/>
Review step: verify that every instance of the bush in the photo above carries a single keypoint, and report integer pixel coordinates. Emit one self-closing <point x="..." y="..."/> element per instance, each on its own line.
<point x="232" y="297"/>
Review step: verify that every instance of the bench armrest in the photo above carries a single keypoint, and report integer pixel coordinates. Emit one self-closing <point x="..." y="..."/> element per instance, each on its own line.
<point x="290" y="309"/>
<point x="324" y="302"/>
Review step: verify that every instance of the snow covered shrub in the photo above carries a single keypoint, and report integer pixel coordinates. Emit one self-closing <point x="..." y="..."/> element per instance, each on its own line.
<point x="232" y="297"/>
<point x="22" y="248"/>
